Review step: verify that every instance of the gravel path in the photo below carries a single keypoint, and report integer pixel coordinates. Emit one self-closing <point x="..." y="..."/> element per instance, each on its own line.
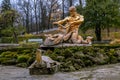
<point x="106" y="72"/>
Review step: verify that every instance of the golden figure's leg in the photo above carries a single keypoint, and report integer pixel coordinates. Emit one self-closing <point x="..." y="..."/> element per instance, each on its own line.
<point x="67" y="36"/>
<point x="76" y="38"/>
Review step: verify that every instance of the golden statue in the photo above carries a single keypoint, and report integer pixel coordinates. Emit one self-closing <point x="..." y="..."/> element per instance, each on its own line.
<point x="69" y="28"/>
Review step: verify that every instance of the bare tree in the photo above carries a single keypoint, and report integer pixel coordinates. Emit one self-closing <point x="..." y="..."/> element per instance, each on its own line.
<point x="24" y="6"/>
<point x="52" y="5"/>
<point x="42" y="15"/>
<point x="36" y="14"/>
<point x="80" y="2"/>
<point x="63" y="6"/>
<point x="35" y="6"/>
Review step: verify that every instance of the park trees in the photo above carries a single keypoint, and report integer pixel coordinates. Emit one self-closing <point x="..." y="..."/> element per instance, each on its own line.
<point x="6" y="5"/>
<point x="101" y="14"/>
<point x="36" y="14"/>
<point x="8" y="20"/>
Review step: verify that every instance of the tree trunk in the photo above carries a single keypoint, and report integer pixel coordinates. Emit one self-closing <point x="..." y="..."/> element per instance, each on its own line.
<point x="48" y="26"/>
<point x="36" y="17"/>
<point x="27" y="23"/>
<point x="31" y="23"/>
<point x="63" y="16"/>
<point x="43" y="16"/>
<point x="13" y="30"/>
<point x="108" y="32"/>
<point x="80" y="2"/>
<point x="71" y="3"/>
<point x="15" y="36"/>
<point x="98" y="32"/>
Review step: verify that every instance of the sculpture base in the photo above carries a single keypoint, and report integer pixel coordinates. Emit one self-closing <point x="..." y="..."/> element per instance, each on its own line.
<point x="46" y="66"/>
<point x="44" y="47"/>
<point x="42" y="71"/>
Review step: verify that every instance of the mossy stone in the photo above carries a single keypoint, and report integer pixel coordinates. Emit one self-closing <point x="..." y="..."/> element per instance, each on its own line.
<point x="7" y="61"/>
<point x="72" y="68"/>
<point x="22" y="65"/>
<point x="23" y="58"/>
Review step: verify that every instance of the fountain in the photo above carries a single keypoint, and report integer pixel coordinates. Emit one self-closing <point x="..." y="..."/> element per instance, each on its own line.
<point x="68" y="36"/>
<point x="68" y="28"/>
<point x="43" y="65"/>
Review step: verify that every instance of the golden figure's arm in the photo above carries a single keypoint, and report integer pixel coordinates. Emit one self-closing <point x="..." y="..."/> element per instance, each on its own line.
<point x="61" y="21"/>
<point x="78" y="21"/>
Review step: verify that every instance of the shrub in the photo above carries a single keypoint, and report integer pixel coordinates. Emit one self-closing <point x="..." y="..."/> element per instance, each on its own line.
<point x="7" y="40"/>
<point x="27" y="51"/>
<point x="67" y="53"/>
<point x="9" y="54"/>
<point x="29" y="45"/>
<point x="7" y="32"/>
<point x="8" y="58"/>
<point x="23" y="58"/>
<point x="7" y="61"/>
<point x="31" y="60"/>
<point x="17" y="55"/>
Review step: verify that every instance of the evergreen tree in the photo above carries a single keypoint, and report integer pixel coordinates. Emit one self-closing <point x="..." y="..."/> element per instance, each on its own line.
<point x="101" y="14"/>
<point x="6" y="5"/>
<point x="8" y="18"/>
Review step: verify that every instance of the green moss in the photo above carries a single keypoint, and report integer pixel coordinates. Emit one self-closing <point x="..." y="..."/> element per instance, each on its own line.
<point x="54" y="56"/>
<point x="31" y="60"/>
<point x="58" y="51"/>
<point x="7" y="40"/>
<point x="24" y="65"/>
<point x="67" y="53"/>
<point x="8" y="58"/>
<point x="77" y="67"/>
<point x="17" y="55"/>
<point x="48" y="52"/>
<point x="29" y="45"/>
<point x="72" y="68"/>
<point x="78" y="55"/>
<point x="113" y="59"/>
<point x="23" y="58"/>
<point x="26" y="51"/>
<point x="9" y="54"/>
<point x="71" y="58"/>
<point x="7" y="61"/>
<point x="88" y="63"/>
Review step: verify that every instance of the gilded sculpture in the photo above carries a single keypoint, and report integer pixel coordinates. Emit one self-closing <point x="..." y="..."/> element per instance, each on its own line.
<point x="69" y="30"/>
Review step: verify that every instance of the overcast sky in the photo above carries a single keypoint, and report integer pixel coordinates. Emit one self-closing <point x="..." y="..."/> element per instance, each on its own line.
<point x="0" y="2"/>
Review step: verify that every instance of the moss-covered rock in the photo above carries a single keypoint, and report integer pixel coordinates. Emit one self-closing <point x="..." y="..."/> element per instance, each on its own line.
<point x="9" y="54"/>
<point x="8" y="58"/>
<point x="24" y="65"/>
<point x="71" y="58"/>
<point x="67" y="53"/>
<point x="23" y="58"/>
<point x="7" y="61"/>
<point x="75" y="58"/>
<point x="17" y="55"/>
